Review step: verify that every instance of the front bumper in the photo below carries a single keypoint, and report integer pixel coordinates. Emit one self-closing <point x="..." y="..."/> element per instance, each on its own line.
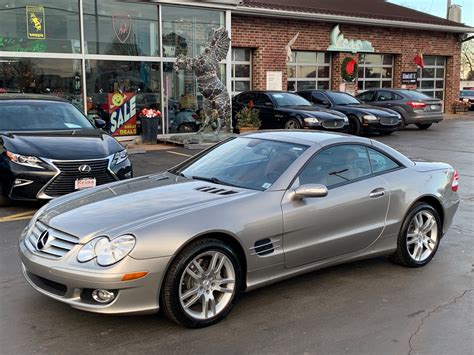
<point x="35" y="181"/>
<point x="70" y="282"/>
<point x="378" y="127"/>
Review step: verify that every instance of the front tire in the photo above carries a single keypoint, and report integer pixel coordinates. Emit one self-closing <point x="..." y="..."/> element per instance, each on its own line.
<point x="4" y="199"/>
<point x="355" y="127"/>
<point x="202" y="284"/>
<point x="424" y="125"/>
<point x="419" y="237"/>
<point x="292" y="123"/>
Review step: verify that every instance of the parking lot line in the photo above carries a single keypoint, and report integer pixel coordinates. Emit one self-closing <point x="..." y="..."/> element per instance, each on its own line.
<point x="17" y="216"/>
<point x="177" y="153"/>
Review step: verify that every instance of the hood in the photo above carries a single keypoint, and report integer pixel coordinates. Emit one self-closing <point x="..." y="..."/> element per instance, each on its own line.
<point x="118" y="207"/>
<point x="367" y="110"/>
<point x="313" y="111"/>
<point x="62" y="145"/>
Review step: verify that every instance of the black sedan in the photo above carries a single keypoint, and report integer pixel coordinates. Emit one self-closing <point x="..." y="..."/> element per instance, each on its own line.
<point x="48" y="148"/>
<point x="362" y="118"/>
<point x="279" y="109"/>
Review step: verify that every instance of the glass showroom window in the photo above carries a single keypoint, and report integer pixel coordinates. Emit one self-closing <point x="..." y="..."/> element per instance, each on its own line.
<point x="187" y="30"/>
<point x="118" y="91"/>
<point x="431" y="77"/>
<point x="120" y="28"/>
<point x="241" y="70"/>
<point x="375" y="71"/>
<point x="309" y="70"/>
<point x="40" y="26"/>
<point x="183" y="102"/>
<point x="58" y="77"/>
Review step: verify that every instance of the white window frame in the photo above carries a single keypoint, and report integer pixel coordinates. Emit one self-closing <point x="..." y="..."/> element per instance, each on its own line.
<point x="435" y="67"/>
<point x="316" y="66"/>
<point x="380" y="80"/>
<point x="240" y="62"/>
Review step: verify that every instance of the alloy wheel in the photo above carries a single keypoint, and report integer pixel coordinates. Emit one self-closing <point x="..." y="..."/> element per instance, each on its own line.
<point x="422" y="236"/>
<point x="207" y="285"/>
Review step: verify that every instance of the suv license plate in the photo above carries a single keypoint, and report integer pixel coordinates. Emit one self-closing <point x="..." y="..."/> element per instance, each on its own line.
<point x="434" y="107"/>
<point x="86" y="183"/>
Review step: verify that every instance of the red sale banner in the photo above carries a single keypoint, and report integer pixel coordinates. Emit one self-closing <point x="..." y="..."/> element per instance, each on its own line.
<point x="123" y="114"/>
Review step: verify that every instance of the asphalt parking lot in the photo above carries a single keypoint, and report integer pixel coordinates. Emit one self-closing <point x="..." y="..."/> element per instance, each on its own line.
<point x="367" y="307"/>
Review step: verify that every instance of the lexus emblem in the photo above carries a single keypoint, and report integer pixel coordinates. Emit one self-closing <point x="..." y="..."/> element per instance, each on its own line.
<point x="42" y="240"/>
<point x="84" y="169"/>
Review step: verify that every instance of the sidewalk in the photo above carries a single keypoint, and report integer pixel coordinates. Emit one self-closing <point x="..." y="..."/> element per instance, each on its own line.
<point x="463" y="115"/>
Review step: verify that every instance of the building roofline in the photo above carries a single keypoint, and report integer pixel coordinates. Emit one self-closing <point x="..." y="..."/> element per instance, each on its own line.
<point x="262" y="12"/>
<point x="311" y="16"/>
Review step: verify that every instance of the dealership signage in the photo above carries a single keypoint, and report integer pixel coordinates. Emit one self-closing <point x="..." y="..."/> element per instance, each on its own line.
<point x="123" y="114"/>
<point x="35" y="23"/>
<point x="340" y="44"/>
<point x="409" y="77"/>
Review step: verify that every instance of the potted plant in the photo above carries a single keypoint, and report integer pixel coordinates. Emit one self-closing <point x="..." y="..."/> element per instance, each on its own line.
<point x="248" y="119"/>
<point x="461" y="106"/>
<point x="150" y="124"/>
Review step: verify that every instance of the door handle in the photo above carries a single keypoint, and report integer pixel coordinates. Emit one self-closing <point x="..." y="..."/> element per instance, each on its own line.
<point x="377" y="193"/>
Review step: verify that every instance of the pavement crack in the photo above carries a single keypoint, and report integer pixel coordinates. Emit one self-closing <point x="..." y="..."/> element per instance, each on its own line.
<point x="436" y="309"/>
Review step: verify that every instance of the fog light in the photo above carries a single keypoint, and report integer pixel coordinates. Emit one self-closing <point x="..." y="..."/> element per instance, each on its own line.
<point x="103" y="296"/>
<point x="21" y="182"/>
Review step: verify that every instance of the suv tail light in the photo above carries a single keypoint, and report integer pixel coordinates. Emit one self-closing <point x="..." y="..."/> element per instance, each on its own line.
<point x="416" y="105"/>
<point x="455" y="182"/>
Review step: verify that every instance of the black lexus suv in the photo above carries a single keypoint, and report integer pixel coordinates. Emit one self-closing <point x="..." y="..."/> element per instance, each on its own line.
<point x="48" y="148"/>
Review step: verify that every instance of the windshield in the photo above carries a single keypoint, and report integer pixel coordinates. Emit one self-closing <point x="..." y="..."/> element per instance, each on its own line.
<point x="245" y="162"/>
<point x="35" y="115"/>
<point x="341" y="98"/>
<point x="415" y="95"/>
<point x="286" y="99"/>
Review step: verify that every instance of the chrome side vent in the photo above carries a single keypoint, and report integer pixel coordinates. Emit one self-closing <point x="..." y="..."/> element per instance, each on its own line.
<point x="264" y="247"/>
<point x="216" y="190"/>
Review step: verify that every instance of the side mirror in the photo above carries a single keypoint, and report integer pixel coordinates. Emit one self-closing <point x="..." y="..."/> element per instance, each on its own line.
<point x="99" y="123"/>
<point x="310" y="190"/>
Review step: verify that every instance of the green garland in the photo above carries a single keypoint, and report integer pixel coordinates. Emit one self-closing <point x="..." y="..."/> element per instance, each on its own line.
<point x="349" y="77"/>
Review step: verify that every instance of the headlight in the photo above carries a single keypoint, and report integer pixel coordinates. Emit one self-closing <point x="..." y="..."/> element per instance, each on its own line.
<point x="107" y="252"/>
<point x="25" y="160"/>
<point x="311" y="120"/>
<point x="370" y="118"/>
<point x="120" y="157"/>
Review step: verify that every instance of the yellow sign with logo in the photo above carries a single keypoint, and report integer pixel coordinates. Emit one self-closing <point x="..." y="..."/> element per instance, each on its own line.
<point x="35" y="22"/>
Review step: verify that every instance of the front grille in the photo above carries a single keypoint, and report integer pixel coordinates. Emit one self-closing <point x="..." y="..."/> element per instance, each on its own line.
<point x="58" y="243"/>
<point x="389" y="120"/>
<point x="69" y="173"/>
<point x="333" y="124"/>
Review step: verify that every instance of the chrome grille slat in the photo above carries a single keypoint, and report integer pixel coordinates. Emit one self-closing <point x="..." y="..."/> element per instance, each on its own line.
<point x="63" y="183"/>
<point x="58" y="244"/>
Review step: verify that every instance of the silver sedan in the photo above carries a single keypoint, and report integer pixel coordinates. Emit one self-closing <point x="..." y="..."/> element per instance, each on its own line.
<point x="247" y="212"/>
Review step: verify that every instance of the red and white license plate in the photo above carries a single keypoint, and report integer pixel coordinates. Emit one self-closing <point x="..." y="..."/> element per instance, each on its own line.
<point x="85" y="183"/>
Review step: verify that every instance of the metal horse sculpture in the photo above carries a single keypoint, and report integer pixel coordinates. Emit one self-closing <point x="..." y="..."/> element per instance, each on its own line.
<point x="216" y="104"/>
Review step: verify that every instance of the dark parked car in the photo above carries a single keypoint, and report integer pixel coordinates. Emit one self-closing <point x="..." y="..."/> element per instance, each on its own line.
<point x="287" y="110"/>
<point x="48" y="148"/>
<point x="362" y="118"/>
<point x="414" y="106"/>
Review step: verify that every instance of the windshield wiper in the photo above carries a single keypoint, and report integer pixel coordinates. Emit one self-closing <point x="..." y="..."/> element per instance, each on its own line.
<point x="214" y="180"/>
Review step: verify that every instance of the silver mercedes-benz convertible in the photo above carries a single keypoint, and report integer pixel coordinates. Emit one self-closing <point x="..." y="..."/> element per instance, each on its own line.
<point x="245" y="213"/>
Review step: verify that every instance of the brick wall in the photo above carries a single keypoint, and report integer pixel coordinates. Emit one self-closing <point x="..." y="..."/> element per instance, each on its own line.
<point x="269" y="36"/>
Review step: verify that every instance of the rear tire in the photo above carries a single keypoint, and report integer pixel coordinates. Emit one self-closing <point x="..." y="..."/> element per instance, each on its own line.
<point x="292" y="123"/>
<point x="419" y="237"/>
<point x="202" y="284"/>
<point x="4" y="199"/>
<point x="355" y="126"/>
<point x="423" y="125"/>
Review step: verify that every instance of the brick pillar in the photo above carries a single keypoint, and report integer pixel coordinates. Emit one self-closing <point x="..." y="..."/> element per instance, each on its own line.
<point x="452" y="79"/>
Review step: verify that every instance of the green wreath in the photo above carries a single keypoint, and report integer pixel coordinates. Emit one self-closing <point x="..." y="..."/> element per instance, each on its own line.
<point x="349" y="69"/>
